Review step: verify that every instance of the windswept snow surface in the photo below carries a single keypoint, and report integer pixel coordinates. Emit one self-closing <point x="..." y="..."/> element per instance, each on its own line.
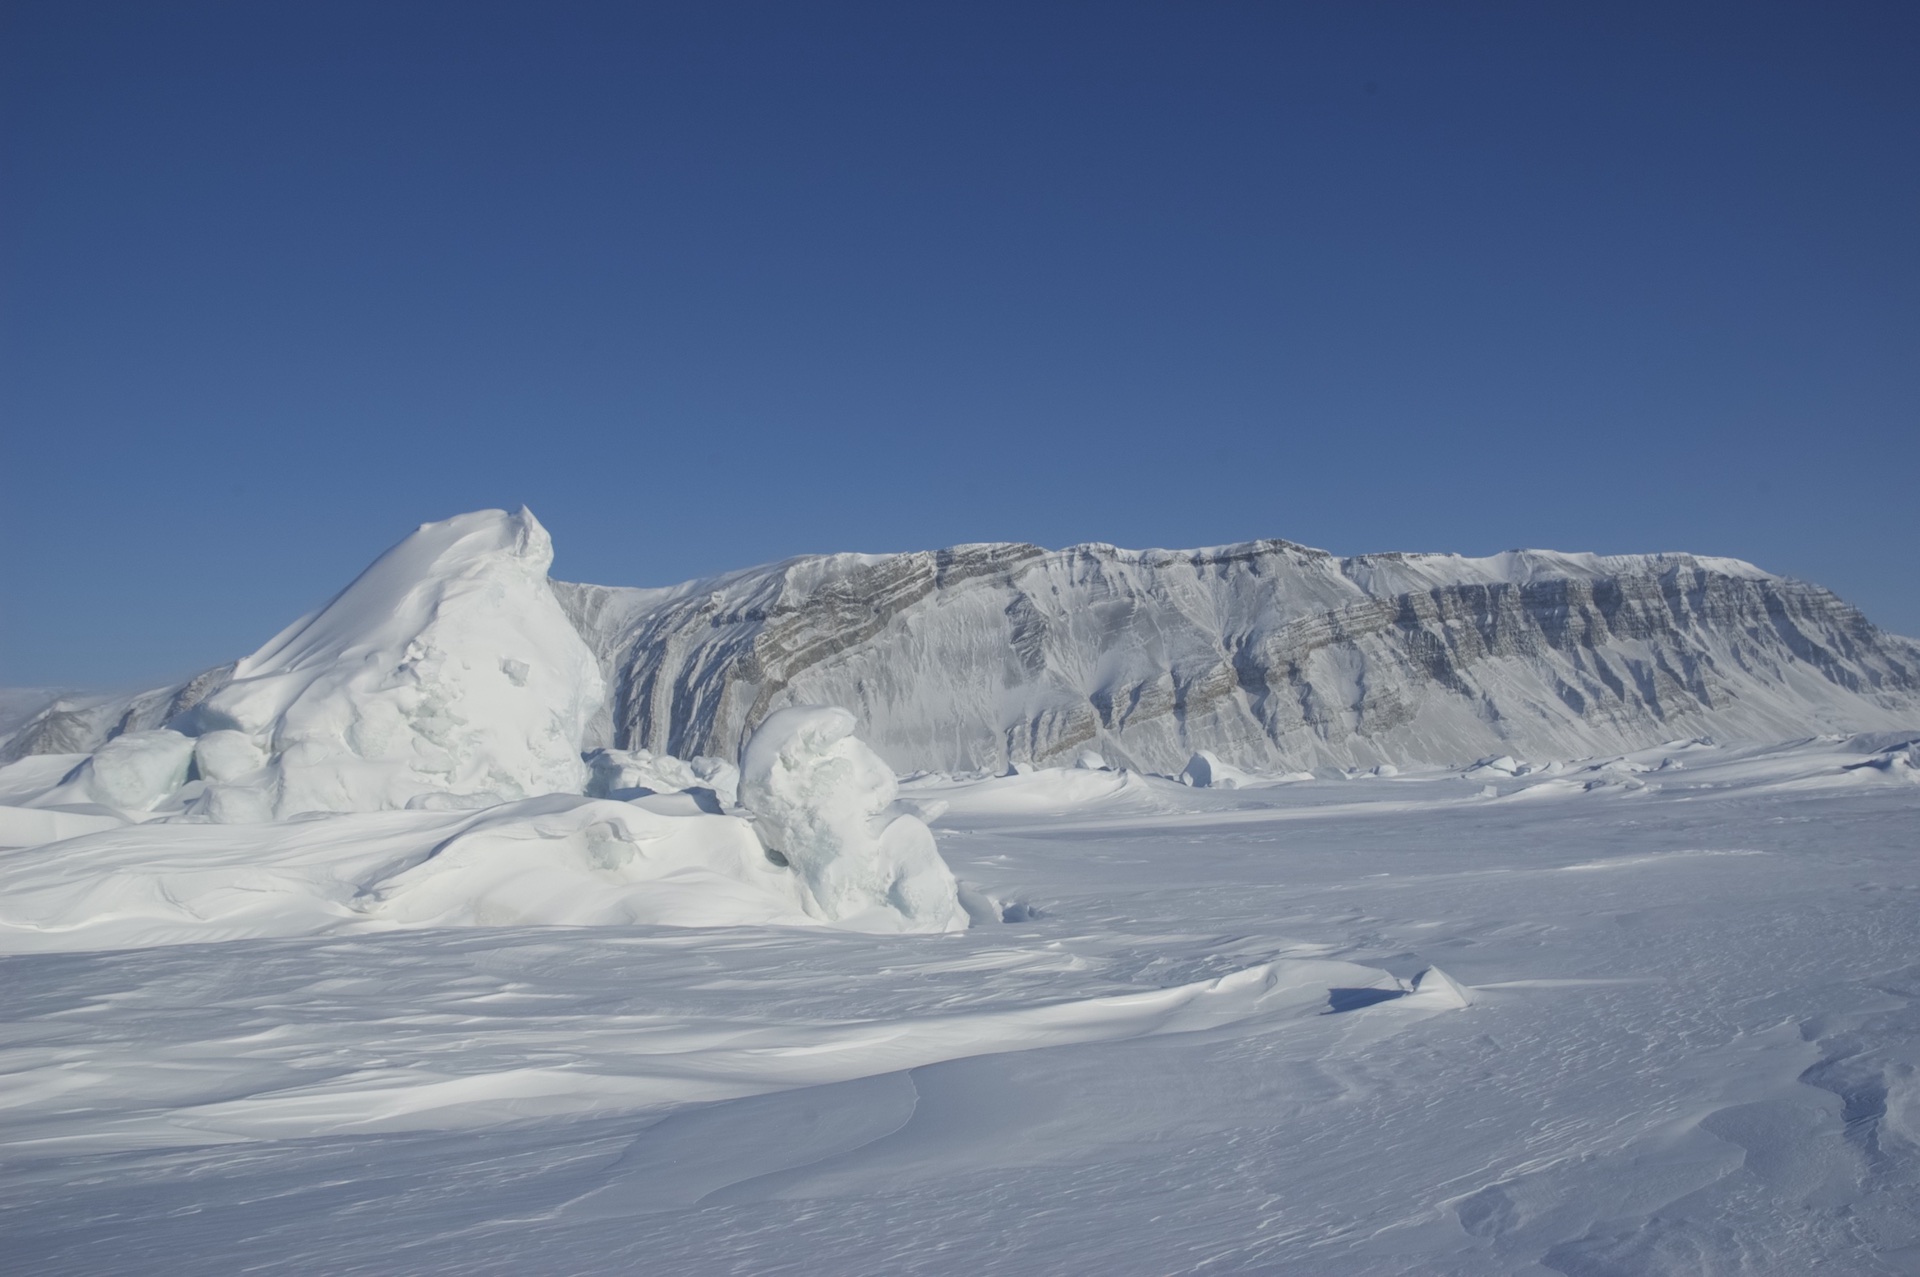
<point x="1641" y="1013"/>
<point x="559" y="860"/>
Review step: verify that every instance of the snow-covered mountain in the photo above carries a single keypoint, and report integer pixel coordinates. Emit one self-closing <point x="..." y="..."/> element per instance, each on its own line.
<point x="1268" y="654"/>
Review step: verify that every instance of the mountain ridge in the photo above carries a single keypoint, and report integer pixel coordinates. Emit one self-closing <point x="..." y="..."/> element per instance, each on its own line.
<point x="1270" y="654"/>
<point x="694" y="666"/>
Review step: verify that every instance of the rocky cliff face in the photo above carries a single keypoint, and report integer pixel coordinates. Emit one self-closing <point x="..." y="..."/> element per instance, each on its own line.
<point x="1269" y="654"/>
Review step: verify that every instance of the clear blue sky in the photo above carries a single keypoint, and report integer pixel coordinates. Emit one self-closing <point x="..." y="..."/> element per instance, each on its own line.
<point x="709" y="284"/>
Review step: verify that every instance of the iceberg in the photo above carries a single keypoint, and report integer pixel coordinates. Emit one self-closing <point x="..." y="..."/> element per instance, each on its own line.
<point x="446" y="674"/>
<point x="825" y="803"/>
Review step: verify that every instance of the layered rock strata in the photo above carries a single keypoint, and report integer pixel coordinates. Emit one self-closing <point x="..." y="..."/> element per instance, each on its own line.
<point x="1271" y="655"/>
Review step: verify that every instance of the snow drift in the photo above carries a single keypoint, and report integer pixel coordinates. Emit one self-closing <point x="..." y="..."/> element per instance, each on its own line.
<point x="1205" y="771"/>
<point x="559" y="860"/>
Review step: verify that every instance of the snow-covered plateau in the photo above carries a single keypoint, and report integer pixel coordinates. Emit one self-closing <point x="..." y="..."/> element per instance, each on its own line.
<point x="991" y="910"/>
<point x="1270" y="655"/>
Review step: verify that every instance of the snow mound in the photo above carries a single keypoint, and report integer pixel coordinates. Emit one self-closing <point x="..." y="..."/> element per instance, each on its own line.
<point x="827" y="805"/>
<point x="566" y="861"/>
<point x="1205" y="771"/>
<point x="130" y="773"/>
<point x="1433" y="989"/>
<point x="32" y="776"/>
<point x="446" y="669"/>
<point x="629" y="773"/>
<point x="556" y="860"/>
<point x="1042" y="791"/>
<point x="1898" y="762"/>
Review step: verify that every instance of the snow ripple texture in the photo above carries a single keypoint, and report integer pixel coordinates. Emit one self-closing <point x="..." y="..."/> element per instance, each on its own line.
<point x="1270" y="655"/>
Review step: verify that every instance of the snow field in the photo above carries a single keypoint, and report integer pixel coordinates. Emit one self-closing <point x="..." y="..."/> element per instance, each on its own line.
<point x="1689" y="1048"/>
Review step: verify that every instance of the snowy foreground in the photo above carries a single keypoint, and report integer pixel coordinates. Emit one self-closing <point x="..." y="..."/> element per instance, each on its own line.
<point x="1664" y="1021"/>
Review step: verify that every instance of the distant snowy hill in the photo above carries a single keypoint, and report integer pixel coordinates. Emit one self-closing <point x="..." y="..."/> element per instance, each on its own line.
<point x="1270" y="655"/>
<point x="19" y="704"/>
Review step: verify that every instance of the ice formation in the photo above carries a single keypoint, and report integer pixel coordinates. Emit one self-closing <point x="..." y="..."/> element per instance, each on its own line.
<point x="626" y="773"/>
<point x="447" y="680"/>
<point x="130" y="773"/>
<point x="446" y="674"/>
<point x="827" y="805"/>
<point x="82" y="877"/>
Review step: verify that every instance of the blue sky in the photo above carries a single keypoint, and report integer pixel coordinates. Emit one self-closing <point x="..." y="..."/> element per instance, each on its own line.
<point x="711" y="284"/>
